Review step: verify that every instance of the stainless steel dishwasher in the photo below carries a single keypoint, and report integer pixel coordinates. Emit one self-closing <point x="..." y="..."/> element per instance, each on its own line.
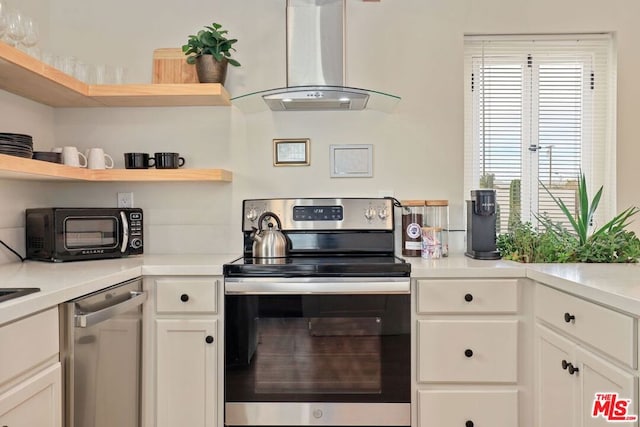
<point x="102" y="357"/>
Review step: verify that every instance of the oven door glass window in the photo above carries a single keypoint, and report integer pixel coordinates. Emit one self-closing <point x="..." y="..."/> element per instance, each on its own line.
<point x="317" y="348"/>
<point x="90" y="233"/>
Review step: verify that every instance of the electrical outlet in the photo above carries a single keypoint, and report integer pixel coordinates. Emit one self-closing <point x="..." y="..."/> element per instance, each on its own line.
<point x="125" y="200"/>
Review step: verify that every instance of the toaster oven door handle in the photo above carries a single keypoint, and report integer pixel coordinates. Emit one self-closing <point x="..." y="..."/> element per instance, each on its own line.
<point x="255" y="286"/>
<point x="125" y="232"/>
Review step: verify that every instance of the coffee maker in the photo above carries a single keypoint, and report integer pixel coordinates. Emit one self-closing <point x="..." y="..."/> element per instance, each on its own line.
<point x="481" y="225"/>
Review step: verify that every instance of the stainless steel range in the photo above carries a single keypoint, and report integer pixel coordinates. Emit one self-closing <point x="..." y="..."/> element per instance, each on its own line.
<point x="321" y="335"/>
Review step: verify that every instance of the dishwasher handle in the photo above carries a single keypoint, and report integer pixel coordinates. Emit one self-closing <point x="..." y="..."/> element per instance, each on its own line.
<point x="89" y="319"/>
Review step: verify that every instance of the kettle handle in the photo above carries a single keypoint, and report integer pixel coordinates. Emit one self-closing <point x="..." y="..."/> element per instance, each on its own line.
<point x="268" y="214"/>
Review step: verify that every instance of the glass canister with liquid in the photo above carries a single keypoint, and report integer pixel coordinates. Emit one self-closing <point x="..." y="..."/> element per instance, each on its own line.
<point x="435" y="231"/>
<point x="412" y="222"/>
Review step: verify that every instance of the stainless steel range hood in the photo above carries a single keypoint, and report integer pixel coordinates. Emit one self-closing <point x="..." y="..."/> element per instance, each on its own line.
<point x="316" y="65"/>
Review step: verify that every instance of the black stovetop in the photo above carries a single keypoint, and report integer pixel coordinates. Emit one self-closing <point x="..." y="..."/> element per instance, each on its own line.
<point x="319" y="266"/>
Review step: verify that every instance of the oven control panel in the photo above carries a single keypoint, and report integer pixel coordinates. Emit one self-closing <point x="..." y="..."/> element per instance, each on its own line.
<point x="322" y="214"/>
<point x="318" y="213"/>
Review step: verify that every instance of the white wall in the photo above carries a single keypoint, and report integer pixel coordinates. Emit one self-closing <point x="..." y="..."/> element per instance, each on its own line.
<point x="412" y="48"/>
<point x="19" y="115"/>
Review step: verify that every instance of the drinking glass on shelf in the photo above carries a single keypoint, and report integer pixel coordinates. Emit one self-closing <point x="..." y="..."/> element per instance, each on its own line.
<point x="31" y="32"/>
<point x="81" y="72"/>
<point x="15" y="28"/>
<point x="3" y="18"/>
<point x="67" y="64"/>
<point x="100" y="71"/>
<point x="119" y="74"/>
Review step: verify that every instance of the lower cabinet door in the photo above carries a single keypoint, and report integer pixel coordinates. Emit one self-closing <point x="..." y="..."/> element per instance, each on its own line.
<point x="478" y="408"/>
<point x="36" y="402"/>
<point x="599" y="380"/>
<point x="186" y="373"/>
<point x="556" y="387"/>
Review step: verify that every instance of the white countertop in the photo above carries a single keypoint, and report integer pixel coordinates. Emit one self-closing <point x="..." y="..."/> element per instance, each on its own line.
<point x="614" y="285"/>
<point x="462" y="266"/>
<point x="59" y="282"/>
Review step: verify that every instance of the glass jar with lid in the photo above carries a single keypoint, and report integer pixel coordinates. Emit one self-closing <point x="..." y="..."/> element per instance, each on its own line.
<point x="435" y="232"/>
<point x="412" y="222"/>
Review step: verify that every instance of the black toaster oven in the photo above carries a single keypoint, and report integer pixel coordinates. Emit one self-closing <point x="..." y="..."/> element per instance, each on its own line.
<point x="73" y="234"/>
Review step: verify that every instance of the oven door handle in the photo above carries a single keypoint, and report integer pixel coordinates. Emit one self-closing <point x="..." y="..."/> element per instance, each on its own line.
<point x="316" y="287"/>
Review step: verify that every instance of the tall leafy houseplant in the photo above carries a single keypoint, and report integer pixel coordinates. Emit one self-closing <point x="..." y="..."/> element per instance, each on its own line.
<point x="210" y="50"/>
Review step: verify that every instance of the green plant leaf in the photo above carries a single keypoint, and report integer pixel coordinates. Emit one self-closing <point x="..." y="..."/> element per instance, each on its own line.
<point x="618" y="223"/>
<point x="565" y="210"/>
<point x="233" y="62"/>
<point x="583" y="199"/>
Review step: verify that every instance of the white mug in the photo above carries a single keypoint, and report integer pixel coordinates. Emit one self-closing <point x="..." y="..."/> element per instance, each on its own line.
<point x="72" y="157"/>
<point x="97" y="159"/>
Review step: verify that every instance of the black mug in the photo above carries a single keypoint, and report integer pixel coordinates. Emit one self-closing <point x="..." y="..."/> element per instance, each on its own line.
<point x="168" y="160"/>
<point x="138" y="161"/>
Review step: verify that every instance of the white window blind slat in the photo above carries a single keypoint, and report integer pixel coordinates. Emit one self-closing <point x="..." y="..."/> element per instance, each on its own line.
<point x="539" y="109"/>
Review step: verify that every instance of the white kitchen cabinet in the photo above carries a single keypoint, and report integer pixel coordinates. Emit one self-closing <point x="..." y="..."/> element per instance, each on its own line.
<point x="467" y="408"/>
<point x="467" y="345"/>
<point x="186" y="372"/>
<point x="571" y="369"/>
<point x="556" y="400"/>
<point x="597" y="375"/>
<point x="186" y="366"/>
<point x="36" y="402"/>
<point x="30" y="372"/>
<point x="468" y="351"/>
<point x="607" y="330"/>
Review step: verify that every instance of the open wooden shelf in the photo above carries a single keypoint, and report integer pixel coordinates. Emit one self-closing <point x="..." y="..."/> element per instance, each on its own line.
<point x="28" y="77"/>
<point x="28" y="169"/>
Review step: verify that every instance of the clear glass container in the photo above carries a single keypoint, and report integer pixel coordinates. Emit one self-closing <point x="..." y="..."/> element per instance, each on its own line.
<point x="412" y="222"/>
<point x="435" y="232"/>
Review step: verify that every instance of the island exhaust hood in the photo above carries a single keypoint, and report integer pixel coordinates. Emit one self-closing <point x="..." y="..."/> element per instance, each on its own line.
<point x="316" y="65"/>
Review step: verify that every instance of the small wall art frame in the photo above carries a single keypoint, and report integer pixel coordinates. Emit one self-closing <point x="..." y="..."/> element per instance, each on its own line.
<point x="291" y="152"/>
<point x="351" y="161"/>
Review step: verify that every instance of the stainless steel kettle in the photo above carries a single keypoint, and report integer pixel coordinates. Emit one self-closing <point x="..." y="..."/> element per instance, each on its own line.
<point x="270" y="244"/>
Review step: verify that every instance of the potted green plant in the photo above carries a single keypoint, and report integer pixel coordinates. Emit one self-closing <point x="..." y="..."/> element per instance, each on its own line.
<point x="210" y="50"/>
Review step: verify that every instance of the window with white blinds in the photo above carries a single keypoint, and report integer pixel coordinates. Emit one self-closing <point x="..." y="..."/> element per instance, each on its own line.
<point x="539" y="110"/>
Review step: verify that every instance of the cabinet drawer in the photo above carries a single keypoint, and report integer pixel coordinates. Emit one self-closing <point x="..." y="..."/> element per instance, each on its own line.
<point x="468" y="296"/>
<point x="186" y="296"/>
<point x="467" y="351"/>
<point x="607" y="330"/>
<point x="27" y="343"/>
<point x="455" y="408"/>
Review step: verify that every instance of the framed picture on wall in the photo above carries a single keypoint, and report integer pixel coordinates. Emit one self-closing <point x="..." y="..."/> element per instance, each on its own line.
<point x="291" y="152"/>
<point x="351" y="161"/>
